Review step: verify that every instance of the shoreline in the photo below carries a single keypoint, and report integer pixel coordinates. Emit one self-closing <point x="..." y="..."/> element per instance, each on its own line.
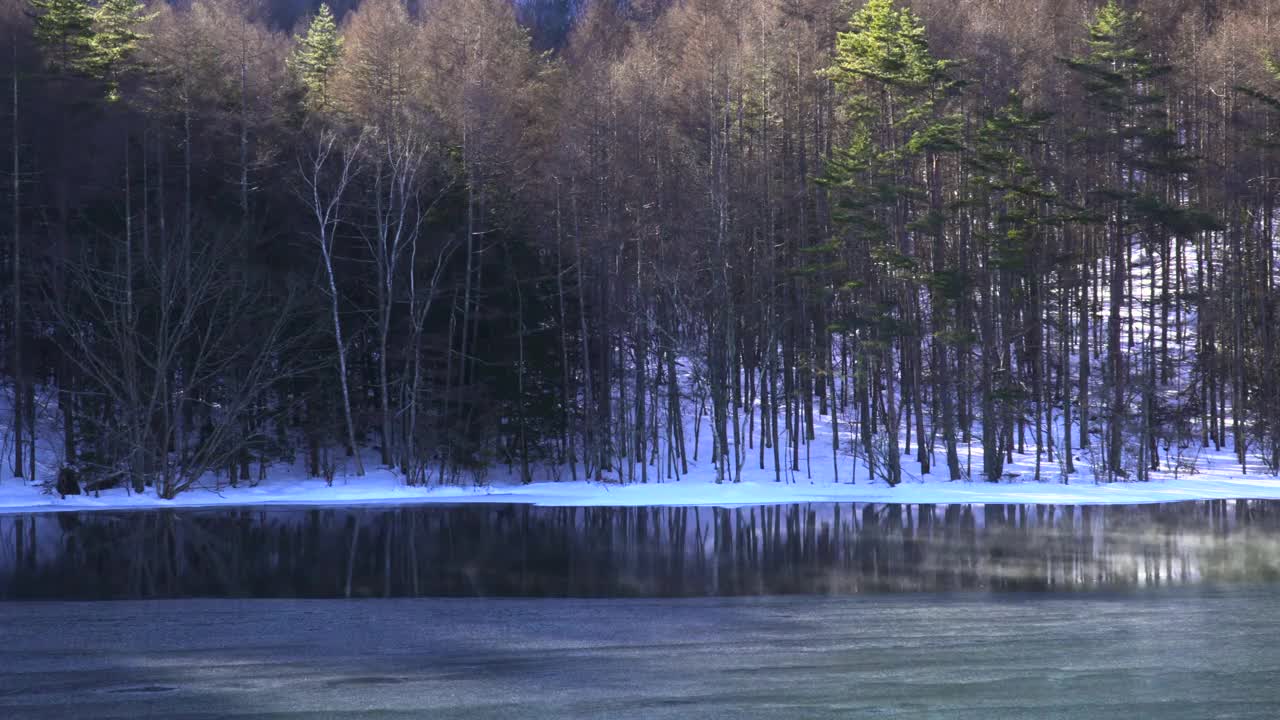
<point x="386" y="491"/>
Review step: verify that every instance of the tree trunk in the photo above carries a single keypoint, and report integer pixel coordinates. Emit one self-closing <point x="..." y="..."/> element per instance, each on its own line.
<point x="19" y="375"/>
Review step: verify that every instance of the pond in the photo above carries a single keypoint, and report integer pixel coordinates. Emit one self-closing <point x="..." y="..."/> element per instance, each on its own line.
<point x="814" y="611"/>
<point x="527" y="551"/>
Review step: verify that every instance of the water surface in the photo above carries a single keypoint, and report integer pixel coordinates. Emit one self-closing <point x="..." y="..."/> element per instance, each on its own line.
<point x="814" y="611"/>
<point x="1171" y="654"/>
<point x="526" y="551"/>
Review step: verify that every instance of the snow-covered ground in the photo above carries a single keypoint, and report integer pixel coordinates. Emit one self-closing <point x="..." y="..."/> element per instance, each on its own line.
<point x="386" y="488"/>
<point x="1216" y="475"/>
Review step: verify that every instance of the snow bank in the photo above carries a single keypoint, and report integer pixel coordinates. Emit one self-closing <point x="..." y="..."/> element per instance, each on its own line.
<point x="383" y="487"/>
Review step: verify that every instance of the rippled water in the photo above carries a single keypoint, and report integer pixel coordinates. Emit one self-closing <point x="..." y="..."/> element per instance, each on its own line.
<point x="518" y="550"/>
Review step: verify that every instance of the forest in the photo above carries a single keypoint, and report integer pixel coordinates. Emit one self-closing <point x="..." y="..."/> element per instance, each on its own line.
<point x="452" y="235"/>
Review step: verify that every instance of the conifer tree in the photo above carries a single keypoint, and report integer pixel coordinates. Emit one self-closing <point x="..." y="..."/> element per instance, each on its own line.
<point x="317" y="54"/>
<point x="1270" y="100"/>
<point x="1267" y="141"/>
<point x="895" y="93"/>
<point x="64" y="28"/>
<point x="1144" y="158"/>
<point x="115" y="40"/>
<point x="1010" y="203"/>
<point x="1118" y="78"/>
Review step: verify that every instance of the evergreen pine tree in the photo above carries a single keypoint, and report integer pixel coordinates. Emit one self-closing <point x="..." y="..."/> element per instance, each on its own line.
<point x="1145" y="161"/>
<point x="1268" y="99"/>
<point x="64" y="28"/>
<point x="1008" y="196"/>
<point x="1267" y="141"/>
<point x="317" y="55"/>
<point x="115" y="40"/>
<point x="887" y="190"/>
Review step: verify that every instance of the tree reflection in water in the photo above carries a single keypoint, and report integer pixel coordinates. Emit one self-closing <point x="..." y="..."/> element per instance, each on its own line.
<point x="519" y="550"/>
